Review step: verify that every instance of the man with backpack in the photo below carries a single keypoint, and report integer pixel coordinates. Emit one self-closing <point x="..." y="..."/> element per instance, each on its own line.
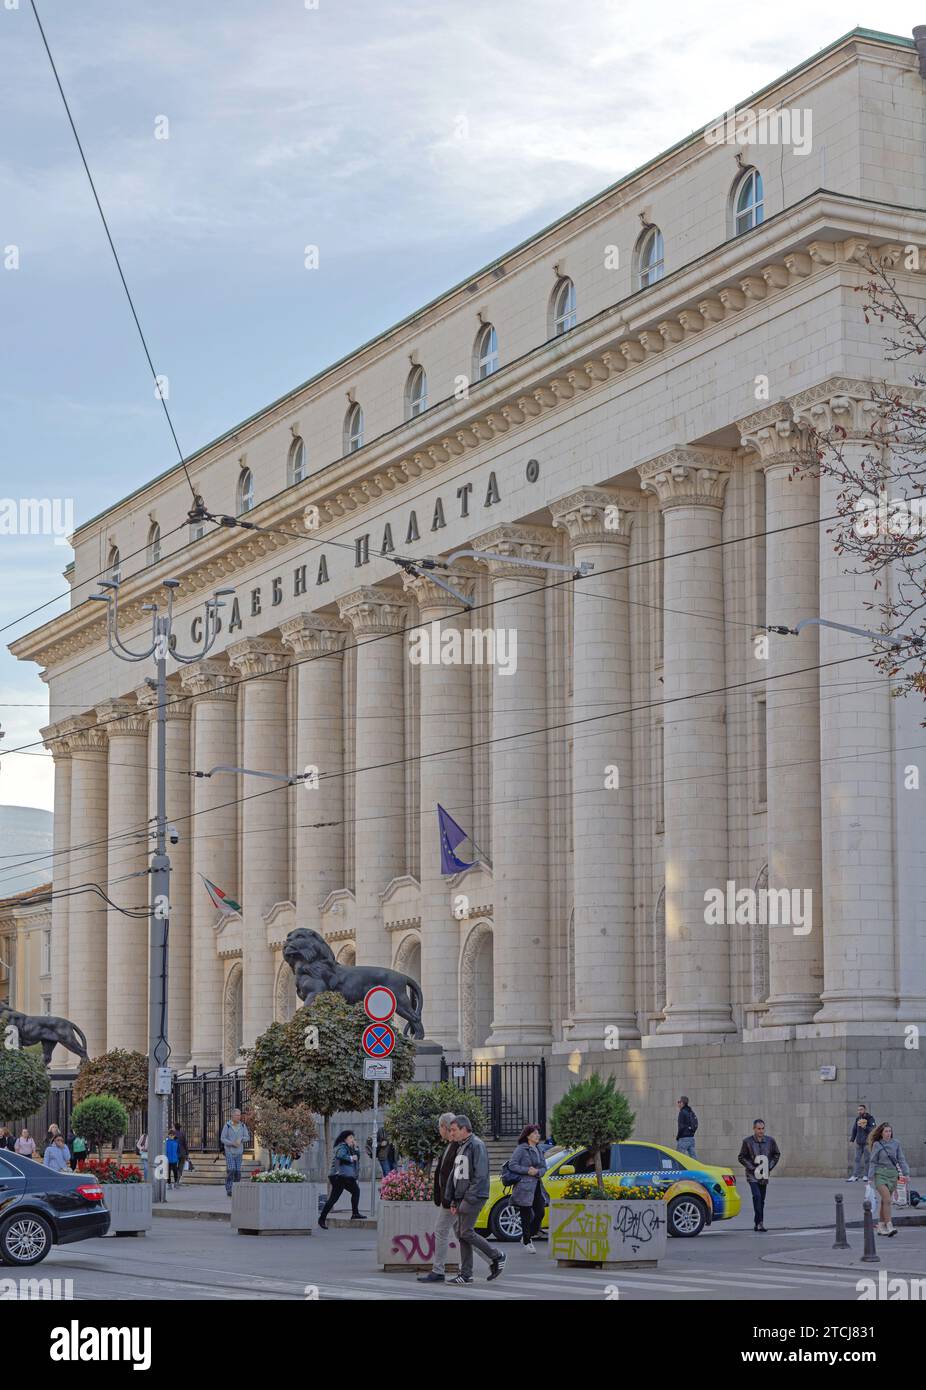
<point x="686" y="1129"/>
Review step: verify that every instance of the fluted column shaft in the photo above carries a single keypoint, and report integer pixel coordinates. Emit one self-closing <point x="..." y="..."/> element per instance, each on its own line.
<point x="690" y="487"/>
<point x="317" y="644"/>
<point x="792" y="703"/>
<point x="264" y="877"/>
<point x="377" y="619"/>
<point x="88" y="864"/>
<point x="213" y="846"/>
<point x="126" y="937"/>
<point x="602" y="767"/>
<point x="60" y="750"/>
<point x="445" y="778"/>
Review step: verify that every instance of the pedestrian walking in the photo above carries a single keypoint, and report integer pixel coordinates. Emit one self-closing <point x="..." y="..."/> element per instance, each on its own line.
<point x="57" y="1156"/>
<point x="686" y="1128"/>
<point x="385" y="1151"/>
<point x="529" y="1194"/>
<point x="233" y="1138"/>
<point x="183" y="1152"/>
<point x="6" y="1139"/>
<point x="467" y="1189"/>
<point x="141" y="1148"/>
<point x="863" y="1127"/>
<point x="758" y="1154"/>
<point x="51" y="1134"/>
<point x="25" y="1144"/>
<point x="886" y="1165"/>
<point x="78" y="1147"/>
<point x="172" y="1154"/>
<point x="445" y="1218"/>
<point x="345" y="1165"/>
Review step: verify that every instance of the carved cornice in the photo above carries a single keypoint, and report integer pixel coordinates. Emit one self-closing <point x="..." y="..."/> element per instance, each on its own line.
<point x="122" y="718"/>
<point x="430" y="596"/>
<point x="521" y="543"/>
<point x="374" y="612"/>
<point x="595" y="516"/>
<point x="259" y="658"/>
<point x="775" y="436"/>
<point x="310" y="634"/>
<point x="209" y="680"/>
<point x="686" y="478"/>
<point x="83" y="737"/>
<point x="844" y="404"/>
<point x="55" y="740"/>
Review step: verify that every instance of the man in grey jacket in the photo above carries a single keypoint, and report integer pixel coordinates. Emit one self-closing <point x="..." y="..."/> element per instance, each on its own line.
<point x="467" y="1189"/>
<point x="233" y="1138"/>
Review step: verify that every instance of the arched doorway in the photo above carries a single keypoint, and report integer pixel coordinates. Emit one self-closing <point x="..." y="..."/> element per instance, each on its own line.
<point x="233" y="1015"/>
<point x="477" y="986"/>
<point x="408" y="957"/>
<point x="286" y="999"/>
<point x="346" y="954"/>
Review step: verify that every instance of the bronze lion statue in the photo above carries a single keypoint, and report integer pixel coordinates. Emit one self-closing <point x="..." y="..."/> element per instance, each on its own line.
<point x="312" y="962"/>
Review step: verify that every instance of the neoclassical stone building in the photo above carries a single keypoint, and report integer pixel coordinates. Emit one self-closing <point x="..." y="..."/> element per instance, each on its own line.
<point x="626" y="393"/>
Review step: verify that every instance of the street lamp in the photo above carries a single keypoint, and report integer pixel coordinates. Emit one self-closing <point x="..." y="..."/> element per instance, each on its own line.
<point x="795" y="631"/>
<point x="162" y="645"/>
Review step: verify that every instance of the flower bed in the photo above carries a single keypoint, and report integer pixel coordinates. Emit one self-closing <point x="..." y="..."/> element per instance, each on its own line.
<point x="409" y="1184"/>
<point x="279" y="1175"/>
<point x="621" y="1227"/>
<point x="406" y="1230"/>
<point x="108" y="1171"/>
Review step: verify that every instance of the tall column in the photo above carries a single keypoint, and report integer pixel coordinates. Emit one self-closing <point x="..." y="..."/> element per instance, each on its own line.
<point x="445" y="723"/>
<point x="127" y="937"/>
<point x="317" y="644"/>
<point x="377" y="618"/>
<point x="518" y="759"/>
<point x="213" y="841"/>
<point x="88" y="864"/>
<point x="179" y="782"/>
<point x="792" y="703"/>
<point x="690" y="484"/>
<point x="60" y="750"/>
<point x="856" y="767"/>
<point x="264" y="861"/>
<point x="597" y="524"/>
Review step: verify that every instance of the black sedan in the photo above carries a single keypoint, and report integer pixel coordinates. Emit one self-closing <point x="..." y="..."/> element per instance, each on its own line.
<point x="40" y="1208"/>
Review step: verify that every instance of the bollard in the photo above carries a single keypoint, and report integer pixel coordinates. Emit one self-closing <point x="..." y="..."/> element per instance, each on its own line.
<point x="871" y="1256"/>
<point x="840" y="1243"/>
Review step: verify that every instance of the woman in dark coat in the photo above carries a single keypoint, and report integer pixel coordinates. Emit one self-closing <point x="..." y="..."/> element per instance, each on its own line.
<point x="529" y="1194"/>
<point x="345" y="1165"/>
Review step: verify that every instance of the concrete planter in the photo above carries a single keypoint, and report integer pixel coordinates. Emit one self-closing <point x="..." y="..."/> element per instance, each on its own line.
<point x="405" y="1237"/>
<point x="129" y="1207"/>
<point x="274" y="1208"/>
<point x="607" y="1235"/>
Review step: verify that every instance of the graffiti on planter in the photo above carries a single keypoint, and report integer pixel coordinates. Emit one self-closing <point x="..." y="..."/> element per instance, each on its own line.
<point x="637" y="1226"/>
<point x="583" y="1235"/>
<point x="416" y="1249"/>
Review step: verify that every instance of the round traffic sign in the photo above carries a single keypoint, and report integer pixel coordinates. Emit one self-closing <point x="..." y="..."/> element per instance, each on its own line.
<point x="378" y="1040"/>
<point x="379" y="1004"/>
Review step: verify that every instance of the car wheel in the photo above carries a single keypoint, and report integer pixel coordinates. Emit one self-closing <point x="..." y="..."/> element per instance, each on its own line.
<point x="25" y="1239"/>
<point x="505" y="1220"/>
<point x="687" y="1215"/>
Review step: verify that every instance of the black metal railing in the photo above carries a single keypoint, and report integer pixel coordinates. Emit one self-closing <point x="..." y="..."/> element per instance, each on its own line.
<point x="513" y="1094"/>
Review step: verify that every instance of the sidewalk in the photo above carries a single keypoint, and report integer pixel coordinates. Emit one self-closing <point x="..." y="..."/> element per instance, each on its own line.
<point x="904" y="1253"/>
<point x="205" y="1202"/>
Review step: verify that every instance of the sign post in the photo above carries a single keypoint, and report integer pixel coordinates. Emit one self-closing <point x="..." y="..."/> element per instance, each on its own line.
<point x="378" y="1043"/>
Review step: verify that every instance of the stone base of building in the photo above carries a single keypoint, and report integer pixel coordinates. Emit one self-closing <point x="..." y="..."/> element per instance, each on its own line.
<point x="734" y="1082"/>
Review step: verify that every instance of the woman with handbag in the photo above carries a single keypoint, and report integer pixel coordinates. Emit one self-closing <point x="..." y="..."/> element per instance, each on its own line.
<point x="345" y="1165"/>
<point x="528" y="1165"/>
<point x="885" y="1166"/>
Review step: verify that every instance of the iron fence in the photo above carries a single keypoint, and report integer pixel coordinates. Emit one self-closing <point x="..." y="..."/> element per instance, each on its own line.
<point x="513" y="1094"/>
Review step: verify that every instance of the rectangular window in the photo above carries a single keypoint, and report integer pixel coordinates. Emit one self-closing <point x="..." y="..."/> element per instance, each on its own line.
<point x="659" y="773"/>
<point x="46" y="952"/>
<point x="761" y="753"/>
<point x="46" y="1003"/>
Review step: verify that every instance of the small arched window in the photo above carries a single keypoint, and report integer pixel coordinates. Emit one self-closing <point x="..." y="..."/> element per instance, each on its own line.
<point x="245" y="491"/>
<point x="485" y="353"/>
<point x="563" y="307"/>
<point x="416" y="393"/>
<point x="748" y="202"/>
<point x="114" y="565"/>
<point x="154" y="544"/>
<point x="297" y="461"/>
<point x="651" y="264"/>
<point x="353" y="429"/>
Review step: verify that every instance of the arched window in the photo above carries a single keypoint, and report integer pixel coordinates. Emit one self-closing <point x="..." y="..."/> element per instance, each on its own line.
<point x="297" y="461"/>
<point x="485" y="353"/>
<point x="748" y="202"/>
<point x="245" y="491"/>
<point x="353" y="429"/>
<point x="154" y="543"/>
<point x="416" y="393"/>
<point x="651" y="265"/>
<point x="114" y="565"/>
<point x="563" y="307"/>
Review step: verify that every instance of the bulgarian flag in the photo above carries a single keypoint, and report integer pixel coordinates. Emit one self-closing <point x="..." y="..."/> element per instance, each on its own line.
<point x="223" y="901"/>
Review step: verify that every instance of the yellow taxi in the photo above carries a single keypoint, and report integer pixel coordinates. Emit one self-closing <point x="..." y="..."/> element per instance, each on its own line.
<point x="696" y="1193"/>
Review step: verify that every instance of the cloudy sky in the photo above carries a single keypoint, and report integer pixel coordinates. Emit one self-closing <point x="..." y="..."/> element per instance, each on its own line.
<point x="411" y="142"/>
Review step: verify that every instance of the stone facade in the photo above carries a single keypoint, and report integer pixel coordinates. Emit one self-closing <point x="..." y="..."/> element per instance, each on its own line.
<point x="637" y="754"/>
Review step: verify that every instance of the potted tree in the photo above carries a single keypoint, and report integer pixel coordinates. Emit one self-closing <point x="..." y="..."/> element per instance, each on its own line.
<point x="118" y="1073"/>
<point x="24" y="1084"/>
<point x="278" y="1200"/>
<point x="103" y="1120"/>
<point x="407" y="1216"/>
<point x="598" y="1222"/>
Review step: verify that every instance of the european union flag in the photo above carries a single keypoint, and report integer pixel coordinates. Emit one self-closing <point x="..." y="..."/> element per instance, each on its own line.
<point x="451" y="835"/>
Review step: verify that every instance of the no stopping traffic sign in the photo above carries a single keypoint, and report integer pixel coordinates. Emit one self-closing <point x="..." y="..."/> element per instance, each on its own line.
<point x="378" y="1040"/>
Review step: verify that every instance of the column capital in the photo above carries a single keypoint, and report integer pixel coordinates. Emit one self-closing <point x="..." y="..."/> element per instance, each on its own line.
<point x="258" y="657"/>
<point x="310" y="634"/>
<point x="845" y="404"/>
<point x="83" y="737"/>
<point x="521" y="544"/>
<point x="55" y="741"/>
<point x="209" y="680"/>
<point x="429" y="595"/>
<point x="774" y="434"/>
<point x="686" y="478"/>
<point x="595" y="516"/>
<point x="121" y="717"/>
<point x="374" y="612"/>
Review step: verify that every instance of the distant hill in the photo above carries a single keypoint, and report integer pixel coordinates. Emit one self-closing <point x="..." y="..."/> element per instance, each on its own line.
<point x="25" y="834"/>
